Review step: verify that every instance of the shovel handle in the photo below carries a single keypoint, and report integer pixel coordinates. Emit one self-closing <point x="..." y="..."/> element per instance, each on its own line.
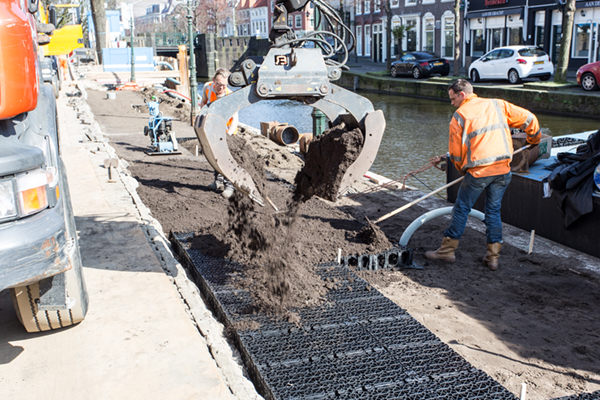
<point x="412" y="203"/>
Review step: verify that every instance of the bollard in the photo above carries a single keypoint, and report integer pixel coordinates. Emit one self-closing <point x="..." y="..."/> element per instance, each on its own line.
<point x="319" y="122"/>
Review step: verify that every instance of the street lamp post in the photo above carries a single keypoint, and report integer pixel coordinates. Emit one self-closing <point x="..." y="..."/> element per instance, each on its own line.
<point x="193" y="82"/>
<point x="132" y="79"/>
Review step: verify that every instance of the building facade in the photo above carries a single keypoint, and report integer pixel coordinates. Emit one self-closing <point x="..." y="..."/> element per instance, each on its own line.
<point x="430" y="22"/>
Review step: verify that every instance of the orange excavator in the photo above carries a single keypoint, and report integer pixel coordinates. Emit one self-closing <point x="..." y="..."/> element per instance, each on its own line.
<point x="41" y="264"/>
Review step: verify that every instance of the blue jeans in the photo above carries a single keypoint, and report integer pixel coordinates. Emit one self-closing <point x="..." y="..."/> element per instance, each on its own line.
<point x="468" y="193"/>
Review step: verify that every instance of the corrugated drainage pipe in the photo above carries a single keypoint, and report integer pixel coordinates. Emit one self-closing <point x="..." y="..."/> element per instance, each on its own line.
<point x="408" y="232"/>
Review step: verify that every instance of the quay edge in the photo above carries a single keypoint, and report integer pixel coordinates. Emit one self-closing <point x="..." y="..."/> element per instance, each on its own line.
<point x="571" y="102"/>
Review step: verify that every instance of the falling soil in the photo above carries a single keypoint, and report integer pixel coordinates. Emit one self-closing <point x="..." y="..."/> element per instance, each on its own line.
<point x="533" y="321"/>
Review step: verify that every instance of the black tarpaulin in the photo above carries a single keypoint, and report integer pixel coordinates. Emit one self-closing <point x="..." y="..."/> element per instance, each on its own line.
<point x="572" y="179"/>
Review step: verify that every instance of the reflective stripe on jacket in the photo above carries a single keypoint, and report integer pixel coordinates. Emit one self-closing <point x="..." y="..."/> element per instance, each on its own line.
<point x="480" y="139"/>
<point x="209" y="94"/>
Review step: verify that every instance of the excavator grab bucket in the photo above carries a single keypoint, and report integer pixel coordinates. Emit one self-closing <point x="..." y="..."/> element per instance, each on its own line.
<point x="211" y="130"/>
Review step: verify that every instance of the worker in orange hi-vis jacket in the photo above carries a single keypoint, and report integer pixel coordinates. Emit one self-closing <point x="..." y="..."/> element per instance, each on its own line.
<point x="212" y="91"/>
<point x="64" y="65"/>
<point x="480" y="147"/>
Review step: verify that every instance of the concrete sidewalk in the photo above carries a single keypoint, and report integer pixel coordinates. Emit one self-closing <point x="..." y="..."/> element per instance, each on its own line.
<point x="147" y="334"/>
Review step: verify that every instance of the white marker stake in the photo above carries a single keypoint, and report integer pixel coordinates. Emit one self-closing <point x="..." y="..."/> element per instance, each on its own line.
<point x="531" y="242"/>
<point x="196" y="150"/>
<point x="339" y="256"/>
<point x="523" y="391"/>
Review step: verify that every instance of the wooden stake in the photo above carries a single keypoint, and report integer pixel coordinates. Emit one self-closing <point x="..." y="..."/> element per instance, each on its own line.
<point x="272" y="204"/>
<point x="531" y="241"/>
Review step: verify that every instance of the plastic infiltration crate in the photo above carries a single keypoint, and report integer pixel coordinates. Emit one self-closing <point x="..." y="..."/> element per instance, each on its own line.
<point x="356" y="345"/>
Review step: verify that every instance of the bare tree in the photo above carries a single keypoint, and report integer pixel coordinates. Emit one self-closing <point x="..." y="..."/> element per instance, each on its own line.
<point x="386" y="6"/>
<point x="565" y="44"/>
<point x="99" y="18"/>
<point x="211" y="14"/>
<point x="457" y="42"/>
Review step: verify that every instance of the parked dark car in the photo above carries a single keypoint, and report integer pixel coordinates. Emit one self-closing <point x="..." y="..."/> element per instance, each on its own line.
<point x="588" y="76"/>
<point x="420" y="65"/>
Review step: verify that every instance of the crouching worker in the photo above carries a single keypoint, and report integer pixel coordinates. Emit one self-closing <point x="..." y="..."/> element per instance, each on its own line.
<point x="481" y="148"/>
<point x="211" y="92"/>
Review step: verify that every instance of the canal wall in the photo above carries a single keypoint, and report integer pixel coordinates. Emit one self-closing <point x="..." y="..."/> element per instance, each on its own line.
<point x="558" y="101"/>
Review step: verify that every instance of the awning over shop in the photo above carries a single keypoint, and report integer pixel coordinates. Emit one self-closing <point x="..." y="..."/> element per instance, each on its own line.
<point x="494" y="13"/>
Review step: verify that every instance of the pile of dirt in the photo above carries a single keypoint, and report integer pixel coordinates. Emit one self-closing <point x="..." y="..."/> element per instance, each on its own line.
<point x="173" y="107"/>
<point x="327" y="160"/>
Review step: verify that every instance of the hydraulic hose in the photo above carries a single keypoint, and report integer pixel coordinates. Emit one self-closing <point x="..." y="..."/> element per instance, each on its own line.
<point x="429" y="216"/>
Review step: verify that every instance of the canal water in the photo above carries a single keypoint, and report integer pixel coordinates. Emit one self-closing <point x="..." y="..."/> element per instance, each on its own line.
<point x="416" y="131"/>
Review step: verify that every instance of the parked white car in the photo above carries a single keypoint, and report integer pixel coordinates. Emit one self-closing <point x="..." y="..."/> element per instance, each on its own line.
<point x="513" y="63"/>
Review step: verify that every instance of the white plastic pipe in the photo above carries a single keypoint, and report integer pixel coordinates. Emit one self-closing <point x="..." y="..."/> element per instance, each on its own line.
<point x="408" y="232"/>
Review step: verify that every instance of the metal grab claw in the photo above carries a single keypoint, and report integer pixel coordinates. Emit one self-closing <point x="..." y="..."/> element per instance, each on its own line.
<point x="305" y="80"/>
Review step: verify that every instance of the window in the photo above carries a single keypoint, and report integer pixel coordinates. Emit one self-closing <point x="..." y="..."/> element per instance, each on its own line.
<point x="376" y="6"/>
<point x="477" y="43"/>
<point x="289" y="21"/>
<point x="515" y="36"/>
<point x="298" y="21"/>
<point x="429" y="24"/>
<point x="410" y="2"/>
<point x="395" y="3"/>
<point x="367" y="9"/>
<point x="539" y="36"/>
<point x="359" y="40"/>
<point x="367" y="40"/>
<point x="272" y="5"/>
<point x="496" y="37"/>
<point x="358" y="7"/>
<point x="581" y="41"/>
<point x="448" y="43"/>
<point x="493" y="55"/>
<point x="411" y="35"/>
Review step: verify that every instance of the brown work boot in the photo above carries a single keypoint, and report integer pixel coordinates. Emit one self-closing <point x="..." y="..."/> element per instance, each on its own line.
<point x="493" y="253"/>
<point x="445" y="252"/>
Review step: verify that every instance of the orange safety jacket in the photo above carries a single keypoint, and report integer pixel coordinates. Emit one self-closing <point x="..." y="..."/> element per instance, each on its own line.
<point x="210" y="95"/>
<point x="480" y="139"/>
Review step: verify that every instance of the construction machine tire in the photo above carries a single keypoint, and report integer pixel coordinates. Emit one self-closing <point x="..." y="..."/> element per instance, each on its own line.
<point x="25" y="297"/>
<point x="35" y="320"/>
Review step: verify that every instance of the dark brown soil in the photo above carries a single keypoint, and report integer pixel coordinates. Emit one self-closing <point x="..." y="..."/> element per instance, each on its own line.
<point x="533" y="321"/>
<point x="327" y="159"/>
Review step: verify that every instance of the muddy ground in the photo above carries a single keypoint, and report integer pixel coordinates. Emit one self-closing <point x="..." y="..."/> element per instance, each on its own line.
<point x="533" y="321"/>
